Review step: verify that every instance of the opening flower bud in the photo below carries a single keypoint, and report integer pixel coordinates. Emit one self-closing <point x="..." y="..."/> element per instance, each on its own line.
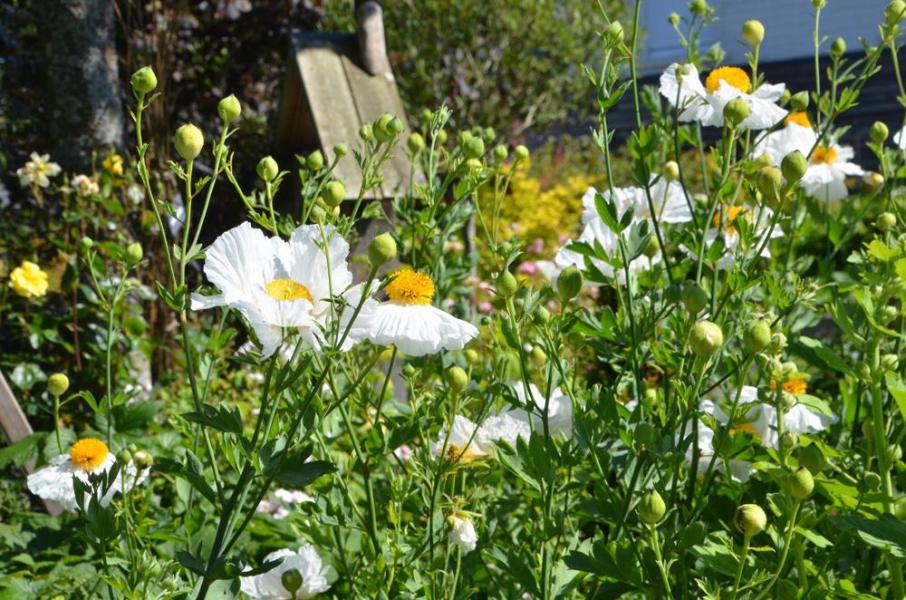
<point x="757" y="336"/>
<point x="753" y="32"/>
<point x="57" y="384"/>
<point x="694" y="298"/>
<point x="750" y="519"/>
<point x="793" y="166"/>
<point x="569" y="283"/>
<point x="878" y="132"/>
<point x="651" y="508"/>
<point x="506" y="284"/>
<point x="143" y="81"/>
<point x="799" y="101"/>
<point x="671" y="170"/>
<point x="457" y="378"/>
<point x="415" y="143"/>
<point x="267" y="168"/>
<point x="873" y="181"/>
<point x="334" y="193"/>
<point x="801" y="484"/>
<point x="706" y="338"/>
<point x="229" y="109"/>
<point x="382" y="249"/>
<point x="134" y="253"/>
<point x="291" y="580"/>
<point x="188" y="141"/>
<point x="736" y="111"/>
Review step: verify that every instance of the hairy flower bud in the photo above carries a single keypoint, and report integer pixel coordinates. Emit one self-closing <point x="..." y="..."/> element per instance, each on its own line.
<point x="651" y="508"/>
<point x="878" y="132"/>
<point x="570" y="283"/>
<point x="671" y="170"/>
<point x="793" y="166"/>
<point x="801" y="484"/>
<point x="706" y="338"/>
<point x="521" y="152"/>
<point x="757" y="336"/>
<point x="694" y="298"/>
<point x="134" y="253"/>
<point x="229" y="109"/>
<point x="267" y="168"/>
<point x="334" y="193"/>
<point x="750" y="519"/>
<point x="769" y="180"/>
<point x="143" y="81"/>
<point x="57" y="384"/>
<point x="382" y="249"/>
<point x="838" y="48"/>
<point x="415" y="143"/>
<point x="457" y="378"/>
<point x="812" y="458"/>
<point x="506" y="284"/>
<point x="736" y="111"/>
<point x="753" y="32"/>
<point x="188" y="142"/>
<point x="340" y="150"/>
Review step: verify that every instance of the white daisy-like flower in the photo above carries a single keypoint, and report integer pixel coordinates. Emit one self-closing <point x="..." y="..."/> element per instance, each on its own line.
<point x="462" y="533"/>
<point x="277" y="284"/>
<point x="505" y="427"/>
<point x="758" y="219"/>
<point x="409" y="321"/>
<point x="559" y="409"/>
<point x="829" y="166"/>
<point x="86" y="457"/>
<point x="796" y="134"/>
<point x="38" y="171"/>
<point x="899" y="139"/>
<point x="269" y="585"/>
<point x="461" y="443"/>
<point x="85" y="185"/>
<point x="705" y="103"/>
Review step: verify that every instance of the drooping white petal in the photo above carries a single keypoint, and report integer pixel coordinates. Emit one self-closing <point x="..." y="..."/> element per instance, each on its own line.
<point x="417" y="330"/>
<point x="269" y="585"/>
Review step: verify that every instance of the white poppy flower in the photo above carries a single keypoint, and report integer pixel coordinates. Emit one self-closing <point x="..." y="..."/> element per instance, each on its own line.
<point x="504" y="427"/>
<point x="825" y="178"/>
<point x="269" y="585"/>
<point x="559" y="409"/>
<point x="462" y="532"/>
<point x="277" y="284"/>
<point x="38" y="171"/>
<point x="461" y="444"/>
<point x="86" y="457"/>
<point x="797" y="134"/>
<point x="408" y="321"/>
<point x="705" y="103"/>
<point x="899" y="139"/>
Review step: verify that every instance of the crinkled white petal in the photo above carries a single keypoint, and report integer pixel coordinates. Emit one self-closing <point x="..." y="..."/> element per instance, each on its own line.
<point x="463" y="436"/>
<point x="417" y="330"/>
<point x="54" y="482"/>
<point x="268" y="586"/>
<point x="779" y="143"/>
<point x="462" y="532"/>
<point x="503" y="427"/>
<point x="559" y="409"/>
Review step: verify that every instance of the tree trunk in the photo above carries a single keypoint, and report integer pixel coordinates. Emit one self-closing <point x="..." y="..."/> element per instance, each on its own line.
<point x="83" y="79"/>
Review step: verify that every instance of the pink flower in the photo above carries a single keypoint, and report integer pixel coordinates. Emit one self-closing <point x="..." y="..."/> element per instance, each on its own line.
<point x="485" y="307"/>
<point x="404" y="453"/>
<point x="536" y="247"/>
<point x="563" y="238"/>
<point x="528" y="268"/>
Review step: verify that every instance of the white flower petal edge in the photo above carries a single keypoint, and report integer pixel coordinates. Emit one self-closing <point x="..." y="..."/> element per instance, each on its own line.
<point x="463" y="436"/>
<point x="54" y="482"/>
<point x="559" y="409"/>
<point x="899" y="139"/>
<point x="416" y="329"/>
<point x="827" y="181"/>
<point x="783" y="141"/>
<point x="268" y="586"/>
<point x="462" y="532"/>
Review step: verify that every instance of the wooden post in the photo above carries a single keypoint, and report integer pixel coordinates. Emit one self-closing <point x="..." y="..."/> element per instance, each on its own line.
<point x="15" y="427"/>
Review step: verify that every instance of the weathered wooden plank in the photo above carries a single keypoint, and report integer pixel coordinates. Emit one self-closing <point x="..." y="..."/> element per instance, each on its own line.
<point x="15" y="427"/>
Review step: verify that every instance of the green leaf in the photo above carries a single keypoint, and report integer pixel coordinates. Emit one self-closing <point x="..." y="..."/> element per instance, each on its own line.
<point x="887" y="533"/>
<point x="818" y="354"/>
<point x="221" y="419"/>
<point x="21" y="451"/>
<point x="297" y="474"/>
<point x="897" y="389"/>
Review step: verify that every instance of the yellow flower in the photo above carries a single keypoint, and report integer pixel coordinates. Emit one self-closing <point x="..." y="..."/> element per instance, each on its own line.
<point x="28" y="280"/>
<point x="88" y="454"/>
<point x="114" y="165"/>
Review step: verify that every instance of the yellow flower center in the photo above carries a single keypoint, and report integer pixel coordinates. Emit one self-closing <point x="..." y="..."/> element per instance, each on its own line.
<point x="823" y="154"/>
<point x="732" y="75"/>
<point x="288" y="289"/>
<point x="88" y="454"/>
<point x="410" y="287"/>
<point x="799" y="118"/>
<point x="463" y="455"/>
<point x="793" y="386"/>
<point x="730" y="214"/>
<point x="746" y="427"/>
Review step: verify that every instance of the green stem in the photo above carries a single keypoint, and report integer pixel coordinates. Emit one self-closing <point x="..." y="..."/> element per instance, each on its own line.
<point x="656" y="546"/>
<point x="742" y="563"/>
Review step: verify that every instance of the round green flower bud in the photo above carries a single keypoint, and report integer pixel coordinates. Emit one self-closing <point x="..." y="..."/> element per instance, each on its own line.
<point x="188" y="142"/>
<point x="894" y="12"/>
<point x="651" y="508"/>
<point x="143" y="459"/>
<point x="819" y="3"/>
<point x="645" y="434"/>
<point x="613" y="33"/>
<point x="736" y="111"/>
<point x="366" y="132"/>
<point x="878" y="132"/>
<point x="541" y="316"/>
<point x="315" y="161"/>
<point x="291" y="580"/>
<point x="442" y="137"/>
<point x="799" y="101"/>
<point x="57" y="384"/>
<point x="838" y="47"/>
<point x="793" y="166"/>
<point x="789" y="440"/>
<point x="87" y="243"/>
<point x="706" y="338"/>
<point x="750" y="519"/>
<point x="472" y="356"/>
<point x="538" y="357"/>
<point x="318" y="215"/>
<point x="753" y="32"/>
<point x="488" y="134"/>
<point x="694" y="298"/>
<point x="673" y="18"/>
<point x="383" y="128"/>
<point x="415" y="143"/>
<point x="569" y="283"/>
<point x="873" y="181"/>
<point x="812" y="458"/>
<point x="769" y="180"/>
<point x="757" y="336"/>
<point x="334" y="193"/>
<point x="652" y="247"/>
<point x="506" y="284"/>
<point x="473" y="147"/>
<point x="500" y="153"/>
<point x="474" y="166"/>
<point x="698" y="7"/>
<point x="267" y="168"/>
<point x="671" y="170"/>
<point x="124" y="456"/>
<point x="521" y="152"/>
<point x="801" y="484"/>
<point x="382" y="249"/>
<point x="886" y="221"/>
<point x="134" y="253"/>
<point x="229" y="109"/>
<point x="340" y="150"/>
<point x="785" y="97"/>
<point x="395" y="126"/>
<point x="143" y="81"/>
<point x="457" y="378"/>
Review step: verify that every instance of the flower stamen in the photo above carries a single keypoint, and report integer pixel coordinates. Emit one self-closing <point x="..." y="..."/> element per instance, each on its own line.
<point x="410" y="287"/>
<point x="288" y="289"/>
<point x="825" y="155"/>
<point x="88" y="454"/>
<point x="734" y="76"/>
